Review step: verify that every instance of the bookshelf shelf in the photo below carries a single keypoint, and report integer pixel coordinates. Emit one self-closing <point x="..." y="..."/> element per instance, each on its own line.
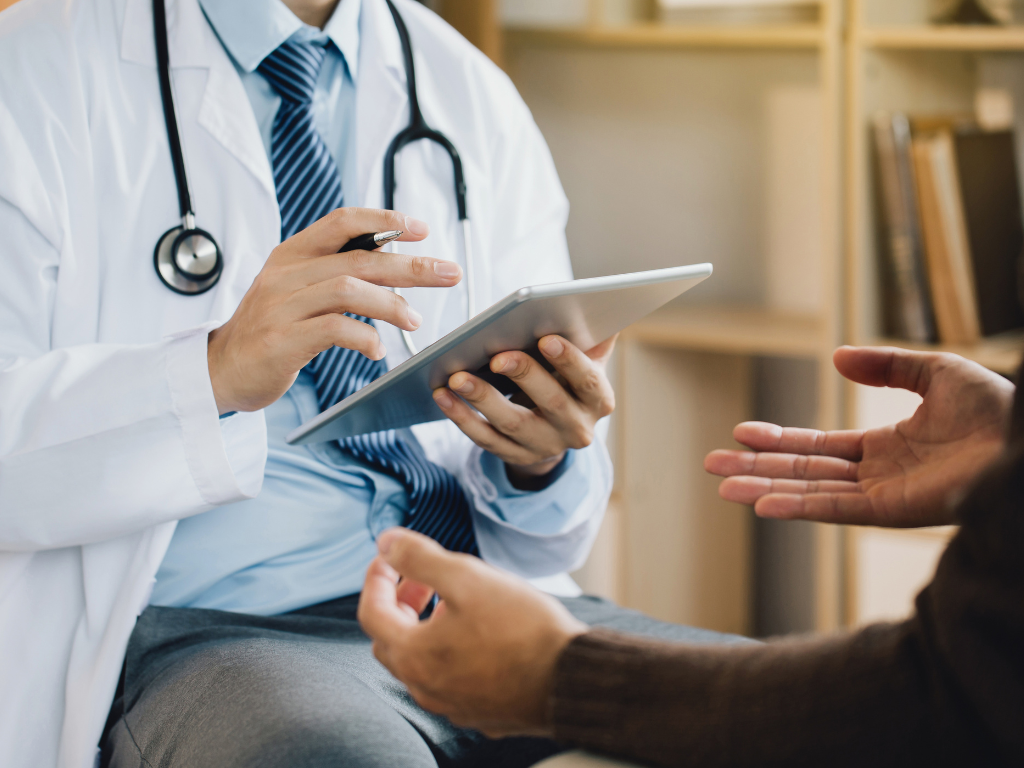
<point x="945" y="38"/>
<point x="654" y="35"/>
<point x="1001" y="354"/>
<point x="941" y="532"/>
<point x="732" y="330"/>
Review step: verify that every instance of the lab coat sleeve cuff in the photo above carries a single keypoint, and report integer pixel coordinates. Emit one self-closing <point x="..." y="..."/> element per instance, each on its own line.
<point x="226" y="457"/>
<point x="542" y="533"/>
<point x="496" y="471"/>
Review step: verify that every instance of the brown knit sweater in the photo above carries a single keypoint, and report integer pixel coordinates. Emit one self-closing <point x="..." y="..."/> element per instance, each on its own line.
<point x="945" y="687"/>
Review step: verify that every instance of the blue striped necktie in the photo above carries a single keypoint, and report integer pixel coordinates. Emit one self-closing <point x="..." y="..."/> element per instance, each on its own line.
<point x="308" y="187"/>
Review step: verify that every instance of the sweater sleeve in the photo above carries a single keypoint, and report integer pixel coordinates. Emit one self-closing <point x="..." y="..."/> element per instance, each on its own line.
<point x="945" y="687"/>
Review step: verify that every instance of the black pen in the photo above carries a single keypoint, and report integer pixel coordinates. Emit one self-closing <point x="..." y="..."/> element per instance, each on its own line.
<point x="370" y="241"/>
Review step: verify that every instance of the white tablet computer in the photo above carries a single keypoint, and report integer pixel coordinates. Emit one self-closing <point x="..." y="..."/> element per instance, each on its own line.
<point x="586" y="312"/>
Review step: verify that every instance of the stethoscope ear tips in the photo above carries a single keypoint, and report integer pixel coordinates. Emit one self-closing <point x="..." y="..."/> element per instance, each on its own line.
<point x="188" y="261"/>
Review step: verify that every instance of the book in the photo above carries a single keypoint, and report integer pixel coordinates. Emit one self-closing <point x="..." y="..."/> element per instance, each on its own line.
<point x="908" y="311"/>
<point x="946" y="246"/>
<point x="989" y="186"/>
<point x="972" y="11"/>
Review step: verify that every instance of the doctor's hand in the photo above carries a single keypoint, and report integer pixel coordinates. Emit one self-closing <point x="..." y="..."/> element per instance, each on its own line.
<point x="532" y="439"/>
<point x="904" y="475"/>
<point x="295" y="308"/>
<point x="486" y="656"/>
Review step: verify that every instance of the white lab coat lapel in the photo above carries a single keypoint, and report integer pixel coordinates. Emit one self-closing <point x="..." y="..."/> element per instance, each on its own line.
<point x="225" y="112"/>
<point x="382" y="105"/>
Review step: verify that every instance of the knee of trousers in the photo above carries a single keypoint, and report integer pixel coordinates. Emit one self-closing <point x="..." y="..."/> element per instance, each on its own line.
<point x="268" y="705"/>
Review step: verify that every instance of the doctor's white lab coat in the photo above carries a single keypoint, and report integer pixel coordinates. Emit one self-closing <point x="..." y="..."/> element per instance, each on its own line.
<point x="108" y="428"/>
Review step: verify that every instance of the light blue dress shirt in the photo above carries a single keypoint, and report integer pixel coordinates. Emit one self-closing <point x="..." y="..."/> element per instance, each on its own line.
<point x="309" y="536"/>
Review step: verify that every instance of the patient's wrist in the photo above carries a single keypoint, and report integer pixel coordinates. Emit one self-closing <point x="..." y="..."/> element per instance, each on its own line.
<point x="562" y="638"/>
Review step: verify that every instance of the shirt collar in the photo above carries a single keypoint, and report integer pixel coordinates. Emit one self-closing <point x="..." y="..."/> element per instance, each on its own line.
<point x="252" y="29"/>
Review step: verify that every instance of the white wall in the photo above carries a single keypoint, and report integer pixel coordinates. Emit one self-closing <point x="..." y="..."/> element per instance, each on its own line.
<point x="662" y="156"/>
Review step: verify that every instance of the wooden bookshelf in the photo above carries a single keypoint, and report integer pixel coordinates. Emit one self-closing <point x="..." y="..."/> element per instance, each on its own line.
<point x="884" y="66"/>
<point x="1001" y="354"/>
<point x="731" y="330"/>
<point x="478" y="21"/>
<point x="896" y="61"/>
<point x="879" y="55"/>
<point x="951" y="38"/>
<point x="657" y="35"/>
<point x="886" y="568"/>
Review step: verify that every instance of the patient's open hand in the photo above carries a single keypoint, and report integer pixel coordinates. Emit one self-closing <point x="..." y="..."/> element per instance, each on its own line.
<point x="904" y="475"/>
<point x="486" y="656"/>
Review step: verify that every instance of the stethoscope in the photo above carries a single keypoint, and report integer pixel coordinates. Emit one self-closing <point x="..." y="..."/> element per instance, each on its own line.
<point x="188" y="259"/>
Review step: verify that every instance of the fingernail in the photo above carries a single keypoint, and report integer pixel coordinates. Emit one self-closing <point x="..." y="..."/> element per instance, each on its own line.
<point x="416" y="227"/>
<point x="447" y="269"/>
<point x="382" y="351"/>
<point x="504" y="365"/>
<point x="415" y="318"/>
<point x="443" y="399"/>
<point x="552" y="347"/>
<point x="386" y="540"/>
<point x="464" y="388"/>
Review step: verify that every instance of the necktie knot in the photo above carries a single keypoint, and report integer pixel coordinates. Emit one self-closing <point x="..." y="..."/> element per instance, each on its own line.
<point x="292" y="70"/>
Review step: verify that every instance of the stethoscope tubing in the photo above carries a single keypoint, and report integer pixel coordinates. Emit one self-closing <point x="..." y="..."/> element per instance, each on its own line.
<point x="166" y="253"/>
<point x="418" y="130"/>
<point x="170" y="114"/>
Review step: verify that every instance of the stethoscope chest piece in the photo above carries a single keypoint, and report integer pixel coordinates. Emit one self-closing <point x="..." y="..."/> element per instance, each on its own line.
<point x="188" y="261"/>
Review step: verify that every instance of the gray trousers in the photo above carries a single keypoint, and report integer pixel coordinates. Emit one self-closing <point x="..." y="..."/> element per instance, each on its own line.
<point x="209" y="688"/>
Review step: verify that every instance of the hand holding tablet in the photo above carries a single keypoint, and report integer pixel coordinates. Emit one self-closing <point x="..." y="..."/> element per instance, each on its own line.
<point x="584" y="312"/>
<point x="564" y="392"/>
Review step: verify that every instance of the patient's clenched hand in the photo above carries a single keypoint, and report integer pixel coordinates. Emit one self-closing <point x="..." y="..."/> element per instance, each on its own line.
<point x="486" y="656"/>
<point x="904" y="475"/>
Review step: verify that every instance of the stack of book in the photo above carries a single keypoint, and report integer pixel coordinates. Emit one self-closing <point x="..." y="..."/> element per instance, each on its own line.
<point x="950" y="206"/>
